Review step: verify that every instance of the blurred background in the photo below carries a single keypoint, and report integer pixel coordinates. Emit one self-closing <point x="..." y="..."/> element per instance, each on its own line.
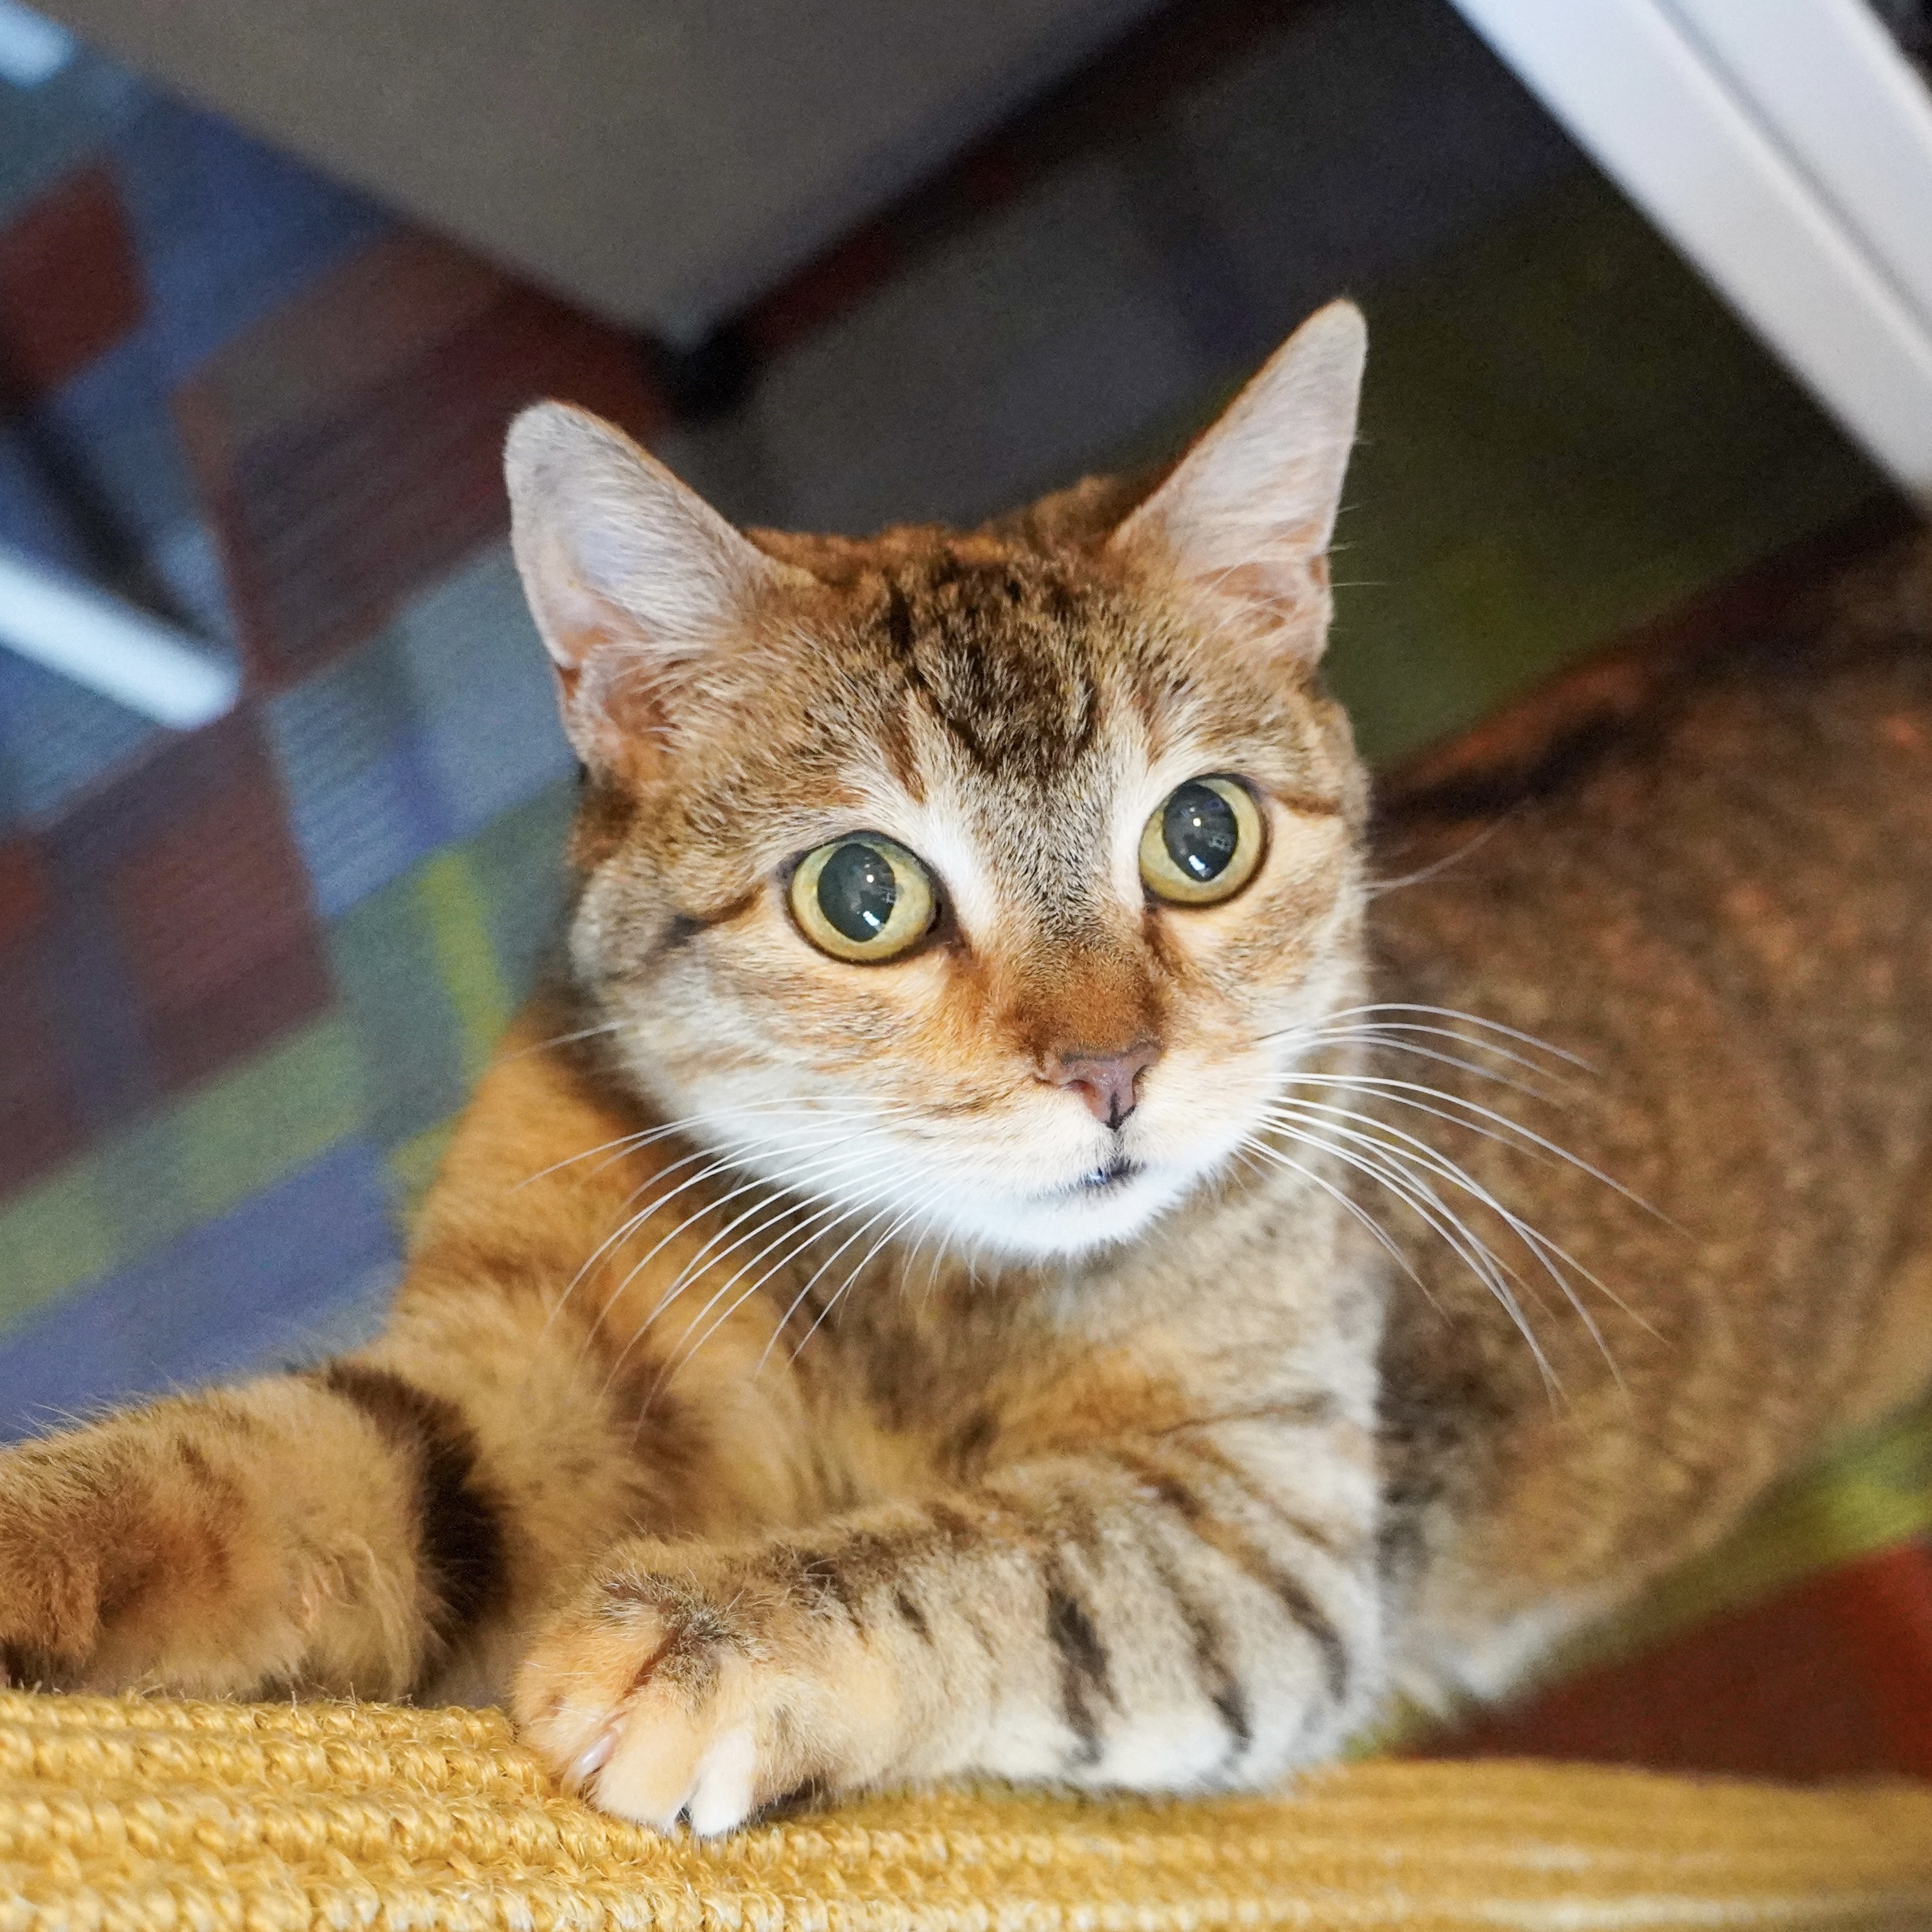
<point x="279" y="854"/>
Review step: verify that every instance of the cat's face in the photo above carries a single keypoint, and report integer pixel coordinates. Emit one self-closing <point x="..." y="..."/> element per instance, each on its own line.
<point x="977" y="887"/>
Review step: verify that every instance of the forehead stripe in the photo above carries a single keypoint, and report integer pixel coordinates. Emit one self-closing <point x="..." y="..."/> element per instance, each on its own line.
<point x="991" y="655"/>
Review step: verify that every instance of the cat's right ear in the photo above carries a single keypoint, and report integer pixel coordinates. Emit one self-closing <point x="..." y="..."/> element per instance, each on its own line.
<point x="633" y="579"/>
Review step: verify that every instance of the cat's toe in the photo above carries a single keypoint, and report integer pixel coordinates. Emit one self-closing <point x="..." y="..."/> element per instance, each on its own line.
<point x="575" y="1691"/>
<point x="652" y="1768"/>
<point x="669" y="1762"/>
<point x="724" y="1793"/>
<point x="645" y="1748"/>
<point x="643" y="1719"/>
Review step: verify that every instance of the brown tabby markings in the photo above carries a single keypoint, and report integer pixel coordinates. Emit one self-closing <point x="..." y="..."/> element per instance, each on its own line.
<point x="459" y="1526"/>
<point x="737" y="1504"/>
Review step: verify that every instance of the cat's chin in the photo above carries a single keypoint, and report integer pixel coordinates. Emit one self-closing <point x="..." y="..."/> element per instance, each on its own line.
<point x="1099" y="1209"/>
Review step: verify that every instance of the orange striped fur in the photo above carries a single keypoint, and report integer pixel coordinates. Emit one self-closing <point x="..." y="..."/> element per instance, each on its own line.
<point x="1114" y="1339"/>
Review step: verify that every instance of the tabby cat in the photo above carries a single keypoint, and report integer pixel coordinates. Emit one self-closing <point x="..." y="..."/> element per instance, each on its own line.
<point x="1017" y="1245"/>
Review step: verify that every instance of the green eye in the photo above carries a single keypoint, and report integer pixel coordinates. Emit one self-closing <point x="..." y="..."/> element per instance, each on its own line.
<point x="862" y="899"/>
<point x="1203" y="844"/>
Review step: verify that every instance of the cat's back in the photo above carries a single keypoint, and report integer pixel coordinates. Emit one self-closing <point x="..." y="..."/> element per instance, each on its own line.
<point x="1707" y="874"/>
<point x="1760" y="806"/>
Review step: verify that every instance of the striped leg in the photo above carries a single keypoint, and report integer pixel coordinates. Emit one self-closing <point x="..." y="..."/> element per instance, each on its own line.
<point x="1191" y="1611"/>
<point x="327" y="1531"/>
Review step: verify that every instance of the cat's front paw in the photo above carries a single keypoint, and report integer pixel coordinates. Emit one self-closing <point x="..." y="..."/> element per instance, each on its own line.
<point x="664" y="1692"/>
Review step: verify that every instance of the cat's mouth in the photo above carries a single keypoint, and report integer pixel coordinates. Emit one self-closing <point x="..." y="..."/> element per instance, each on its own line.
<point x="1113" y="1175"/>
<point x="1111" y="1201"/>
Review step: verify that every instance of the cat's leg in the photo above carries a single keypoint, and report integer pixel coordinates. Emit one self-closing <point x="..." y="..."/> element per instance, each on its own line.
<point x="383" y="1525"/>
<point x="1188" y="1611"/>
<point x="397" y="1521"/>
<point x="394" y="1522"/>
<point x="276" y="1532"/>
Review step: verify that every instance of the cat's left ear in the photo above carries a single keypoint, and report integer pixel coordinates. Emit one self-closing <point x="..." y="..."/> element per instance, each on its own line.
<point x="1244" y="522"/>
<point x="634" y="580"/>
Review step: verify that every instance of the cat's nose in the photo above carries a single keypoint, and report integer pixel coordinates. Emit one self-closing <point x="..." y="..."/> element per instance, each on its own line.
<point x="1106" y="1082"/>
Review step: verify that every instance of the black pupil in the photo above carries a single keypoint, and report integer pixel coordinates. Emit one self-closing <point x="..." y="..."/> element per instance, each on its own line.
<point x="1200" y="831"/>
<point x="856" y="891"/>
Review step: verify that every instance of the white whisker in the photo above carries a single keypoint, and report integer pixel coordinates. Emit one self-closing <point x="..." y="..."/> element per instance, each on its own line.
<point x="1422" y="1200"/>
<point x="1388" y="1038"/>
<point x="803" y="1135"/>
<point x="1399" y="1092"/>
<point x="864" y="1262"/>
<point x="798" y="1205"/>
<point x="1555" y="1262"/>
<point x="629" y="1225"/>
<point x="1474" y="1020"/>
<point x="695" y="1264"/>
<point x="1474" y="843"/>
<point x="719" y="1164"/>
<point x="840" y="1212"/>
<point x="1419" y="1152"/>
<point x="645" y="1136"/>
<point x="1251" y="1144"/>
<point x="564" y="1039"/>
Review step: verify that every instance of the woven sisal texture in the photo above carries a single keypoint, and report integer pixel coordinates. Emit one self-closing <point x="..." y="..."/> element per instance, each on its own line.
<point x="122" y="1814"/>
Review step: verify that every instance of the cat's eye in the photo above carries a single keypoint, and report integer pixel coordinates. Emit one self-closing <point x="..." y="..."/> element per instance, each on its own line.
<point x="862" y="898"/>
<point x="1203" y="843"/>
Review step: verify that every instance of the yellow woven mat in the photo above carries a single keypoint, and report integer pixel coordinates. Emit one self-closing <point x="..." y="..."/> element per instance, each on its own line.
<point x="118" y="1812"/>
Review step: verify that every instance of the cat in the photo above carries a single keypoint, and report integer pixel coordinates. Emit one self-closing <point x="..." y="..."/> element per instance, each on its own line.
<point x="1014" y="1247"/>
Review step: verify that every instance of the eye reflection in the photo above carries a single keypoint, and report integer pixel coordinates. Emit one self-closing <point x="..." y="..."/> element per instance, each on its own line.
<point x="1198" y="827"/>
<point x="1204" y="843"/>
<point x="857" y="891"/>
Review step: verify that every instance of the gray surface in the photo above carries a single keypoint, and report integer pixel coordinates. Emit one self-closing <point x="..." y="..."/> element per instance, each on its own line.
<point x="1102" y="315"/>
<point x="1029" y="340"/>
<point x="660" y="160"/>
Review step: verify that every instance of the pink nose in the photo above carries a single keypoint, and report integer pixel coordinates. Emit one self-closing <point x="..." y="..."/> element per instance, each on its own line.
<point x="1105" y="1081"/>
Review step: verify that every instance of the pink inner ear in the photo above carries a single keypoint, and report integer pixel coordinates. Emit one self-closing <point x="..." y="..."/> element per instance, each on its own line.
<point x="1245" y="517"/>
<point x="1290" y="586"/>
<point x="612" y="713"/>
<point x="577" y="621"/>
<point x="1274" y="600"/>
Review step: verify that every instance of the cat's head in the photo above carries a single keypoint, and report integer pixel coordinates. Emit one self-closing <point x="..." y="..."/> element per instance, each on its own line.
<point x="977" y="884"/>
